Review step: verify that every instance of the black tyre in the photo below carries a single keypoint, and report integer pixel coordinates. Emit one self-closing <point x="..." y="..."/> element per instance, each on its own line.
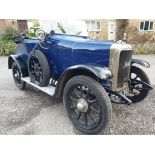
<point x="17" y="77"/>
<point x="138" y="91"/>
<point x="39" y="70"/>
<point x="87" y="104"/>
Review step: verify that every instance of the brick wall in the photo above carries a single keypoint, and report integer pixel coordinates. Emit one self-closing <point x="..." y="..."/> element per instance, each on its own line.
<point x="2" y="25"/>
<point x="7" y="23"/>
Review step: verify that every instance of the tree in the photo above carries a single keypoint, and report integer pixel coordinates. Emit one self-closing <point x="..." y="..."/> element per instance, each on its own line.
<point x="122" y="25"/>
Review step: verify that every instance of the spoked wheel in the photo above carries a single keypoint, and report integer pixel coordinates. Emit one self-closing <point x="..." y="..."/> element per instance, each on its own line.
<point x="35" y="70"/>
<point x="138" y="91"/>
<point x="17" y="76"/>
<point x="39" y="70"/>
<point x="87" y="104"/>
<point x="85" y="108"/>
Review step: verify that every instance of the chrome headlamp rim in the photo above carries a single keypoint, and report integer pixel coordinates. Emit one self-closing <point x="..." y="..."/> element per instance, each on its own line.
<point x="105" y="73"/>
<point x="40" y="34"/>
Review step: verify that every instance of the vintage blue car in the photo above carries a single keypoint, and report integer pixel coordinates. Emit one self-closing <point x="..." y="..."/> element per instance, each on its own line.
<point x="89" y="74"/>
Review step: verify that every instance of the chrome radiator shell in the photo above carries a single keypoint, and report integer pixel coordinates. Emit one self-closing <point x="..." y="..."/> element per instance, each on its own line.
<point x="117" y="66"/>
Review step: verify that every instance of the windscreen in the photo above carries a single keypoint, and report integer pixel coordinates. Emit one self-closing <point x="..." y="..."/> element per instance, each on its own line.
<point x="71" y="27"/>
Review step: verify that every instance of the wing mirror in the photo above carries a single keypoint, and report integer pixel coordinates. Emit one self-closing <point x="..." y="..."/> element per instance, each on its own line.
<point x="40" y="34"/>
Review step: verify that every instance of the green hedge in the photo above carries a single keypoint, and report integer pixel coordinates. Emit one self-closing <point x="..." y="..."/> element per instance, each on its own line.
<point x="7" y="47"/>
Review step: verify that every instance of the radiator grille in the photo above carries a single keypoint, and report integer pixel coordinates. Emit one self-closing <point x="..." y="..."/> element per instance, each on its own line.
<point x="124" y="67"/>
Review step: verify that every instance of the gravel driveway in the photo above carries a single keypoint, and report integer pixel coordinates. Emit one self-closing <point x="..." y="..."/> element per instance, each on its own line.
<point x="33" y="112"/>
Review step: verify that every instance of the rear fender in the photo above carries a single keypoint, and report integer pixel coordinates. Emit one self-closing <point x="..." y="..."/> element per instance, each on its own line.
<point x="20" y="63"/>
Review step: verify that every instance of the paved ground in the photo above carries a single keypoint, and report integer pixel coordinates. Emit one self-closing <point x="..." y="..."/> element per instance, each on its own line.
<point x="33" y="112"/>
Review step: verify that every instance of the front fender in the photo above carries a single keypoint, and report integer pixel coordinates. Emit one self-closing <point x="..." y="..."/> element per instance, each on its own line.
<point x="140" y="62"/>
<point x="88" y="70"/>
<point x="96" y="70"/>
<point x="20" y="63"/>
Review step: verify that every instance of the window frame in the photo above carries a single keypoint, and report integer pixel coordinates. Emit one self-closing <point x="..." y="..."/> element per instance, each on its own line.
<point x="144" y="26"/>
<point x="90" y="23"/>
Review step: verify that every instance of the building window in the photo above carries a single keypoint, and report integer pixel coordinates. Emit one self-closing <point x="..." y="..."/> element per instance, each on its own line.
<point x="93" y="25"/>
<point x="146" y="26"/>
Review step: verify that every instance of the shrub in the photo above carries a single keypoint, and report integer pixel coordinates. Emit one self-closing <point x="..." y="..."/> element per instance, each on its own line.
<point x="144" y="48"/>
<point x="7" y="47"/>
<point x="122" y="25"/>
<point x="9" y="33"/>
<point x="134" y="37"/>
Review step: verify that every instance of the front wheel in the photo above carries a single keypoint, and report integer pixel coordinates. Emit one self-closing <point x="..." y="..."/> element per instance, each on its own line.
<point x="138" y="91"/>
<point x="87" y="103"/>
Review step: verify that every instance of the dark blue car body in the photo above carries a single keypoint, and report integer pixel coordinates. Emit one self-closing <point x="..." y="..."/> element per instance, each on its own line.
<point x="64" y="51"/>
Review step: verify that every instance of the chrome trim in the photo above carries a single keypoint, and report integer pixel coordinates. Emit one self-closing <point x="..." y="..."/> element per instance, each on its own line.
<point x="43" y="46"/>
<point x="115" y="51"/>
<point x="40" y="34"/>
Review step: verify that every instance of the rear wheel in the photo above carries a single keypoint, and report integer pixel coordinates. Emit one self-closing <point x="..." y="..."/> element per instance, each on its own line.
<point x="138" y="91"/>
<point x="17" y="76"/>
<point x="87" y="104"/>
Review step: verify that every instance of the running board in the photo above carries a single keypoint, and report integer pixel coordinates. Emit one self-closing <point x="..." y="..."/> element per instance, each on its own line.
<point x="50" y="90"/>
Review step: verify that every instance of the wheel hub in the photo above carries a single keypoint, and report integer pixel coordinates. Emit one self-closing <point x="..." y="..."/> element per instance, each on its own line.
<point x="82" y="105"/>
<point x="16" y="75"/>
